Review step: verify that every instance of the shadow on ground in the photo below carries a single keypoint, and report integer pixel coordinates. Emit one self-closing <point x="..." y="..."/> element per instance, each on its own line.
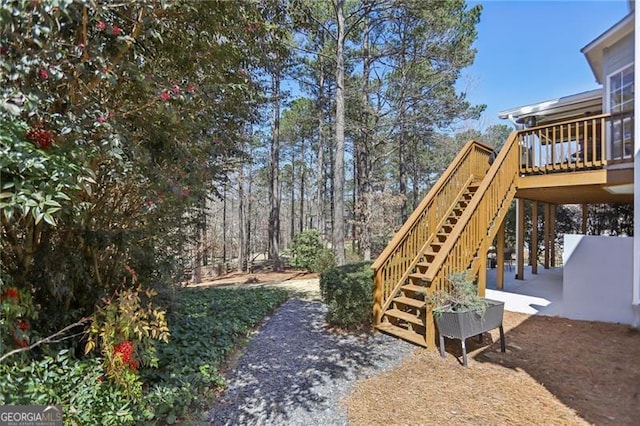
<point x="591" y="367"/>
<point x="295" y="370"/>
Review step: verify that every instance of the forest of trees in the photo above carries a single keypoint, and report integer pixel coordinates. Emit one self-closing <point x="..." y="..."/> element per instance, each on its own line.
<point x="363" y="115"/>
<point x="175" y="135"/>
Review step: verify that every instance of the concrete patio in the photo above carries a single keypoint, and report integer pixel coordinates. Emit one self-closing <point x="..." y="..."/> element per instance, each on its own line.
<point x="539" y="294"/>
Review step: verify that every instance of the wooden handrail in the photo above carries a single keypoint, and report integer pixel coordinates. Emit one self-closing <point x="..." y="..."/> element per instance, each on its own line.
<point x="423" y="248"/>
<point x="395" y="262"/>
<point x="426" y="201"/>
<point x="581" y="144"/>
<point x="480" y="220"/>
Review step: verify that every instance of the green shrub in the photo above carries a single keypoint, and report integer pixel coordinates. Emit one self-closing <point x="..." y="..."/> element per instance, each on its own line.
<point x="324" y="261"/>
<point x="78" y="386"/>
<point x="352" y="256"/>
<point x="308" y="252"/>
<point x="206" y="324"/>
<point x="348" y="292"/>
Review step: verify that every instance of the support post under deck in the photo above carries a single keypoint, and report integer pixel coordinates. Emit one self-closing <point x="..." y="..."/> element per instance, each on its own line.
<point x="552" y="235"/>
<point x="533" y="255"/>
<point x="547" y="233"/>
<point x="520" y="240"/>
<point x="500" y="257"/>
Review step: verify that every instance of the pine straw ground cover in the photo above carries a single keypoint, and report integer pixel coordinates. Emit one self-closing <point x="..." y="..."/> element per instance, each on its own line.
<point x="555" y="371"/>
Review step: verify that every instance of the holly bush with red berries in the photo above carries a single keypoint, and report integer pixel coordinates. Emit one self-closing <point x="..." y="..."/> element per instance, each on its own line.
<point x="117" y="121"/>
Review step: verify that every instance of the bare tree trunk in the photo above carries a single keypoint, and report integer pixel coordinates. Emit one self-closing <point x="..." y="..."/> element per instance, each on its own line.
<point x="320" y="157"/>
<point x="292" y="219"/>
<point x="203" y="230"/>
<point x="338" y="196"/>
<point x="402" y="179"/>
<point x="361" y="205"/>
<point x="224" y="224"/>
<point x="242" y="255"/>
<point x="274" y="189"/>
<point x="302" y="178"/>
<point x="249" y="246"/>
<point x="354" y="199"/>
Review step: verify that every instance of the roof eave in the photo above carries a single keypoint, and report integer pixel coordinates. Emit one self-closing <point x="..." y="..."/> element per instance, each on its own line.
<point x="541" y="107"/>
<point x="594" y="50"/>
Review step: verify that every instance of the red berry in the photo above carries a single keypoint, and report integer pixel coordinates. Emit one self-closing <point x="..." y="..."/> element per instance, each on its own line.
<point x="125" y="349"/>
<point x="10" y="293"/>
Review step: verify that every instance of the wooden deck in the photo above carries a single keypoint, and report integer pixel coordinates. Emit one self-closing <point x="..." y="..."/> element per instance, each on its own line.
<point x="588" y="160"/>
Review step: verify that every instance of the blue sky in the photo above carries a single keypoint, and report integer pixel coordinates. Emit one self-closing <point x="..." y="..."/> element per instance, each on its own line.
<point x="529" y="51"/>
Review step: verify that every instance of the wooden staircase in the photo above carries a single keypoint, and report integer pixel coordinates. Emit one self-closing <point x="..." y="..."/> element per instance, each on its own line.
<point x="450" y="231"/>
<point x="407" y="317"/>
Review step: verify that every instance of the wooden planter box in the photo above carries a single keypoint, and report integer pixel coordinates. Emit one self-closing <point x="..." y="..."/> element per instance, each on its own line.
<point x="462" y="325"/>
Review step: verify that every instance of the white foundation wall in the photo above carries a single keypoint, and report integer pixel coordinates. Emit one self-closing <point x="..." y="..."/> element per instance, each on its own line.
<point x="597" y="278"/>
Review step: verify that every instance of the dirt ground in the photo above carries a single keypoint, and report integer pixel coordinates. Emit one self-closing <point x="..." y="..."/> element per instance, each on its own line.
<point x="555" y="372"/>
<point x="301" y="284"/>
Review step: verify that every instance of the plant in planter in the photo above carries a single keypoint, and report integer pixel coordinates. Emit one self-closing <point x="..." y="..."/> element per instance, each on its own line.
<point x="460" y="313"/>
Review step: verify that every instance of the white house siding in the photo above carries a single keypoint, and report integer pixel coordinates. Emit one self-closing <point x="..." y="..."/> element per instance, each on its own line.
<point x="618" y="55"/>
<point x="599" y="290"/>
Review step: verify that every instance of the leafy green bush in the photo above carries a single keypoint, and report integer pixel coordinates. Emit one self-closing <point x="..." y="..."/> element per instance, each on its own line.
<point x="309" y="253"/>
<point x="325" y="260"/>
<point x="205" y="324"/>
<point x="348" y="292"/>
<point x="87" y="398"/>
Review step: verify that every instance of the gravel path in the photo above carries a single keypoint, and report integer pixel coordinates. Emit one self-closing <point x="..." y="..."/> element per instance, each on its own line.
<point x="296" y="372"/>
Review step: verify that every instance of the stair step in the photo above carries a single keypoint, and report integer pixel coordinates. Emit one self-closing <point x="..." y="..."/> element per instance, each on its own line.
<point x="418" y="277"/>
<point x="403" y="333"/>
<point x="410" y="302"/>
<point x="405" y="316"/>
<point x="414" y="288"/>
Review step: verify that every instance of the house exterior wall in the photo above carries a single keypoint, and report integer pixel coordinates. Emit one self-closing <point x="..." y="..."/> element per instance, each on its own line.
<point x="598" y="290"/>
<point x="618" y="55"/>
<point x="615" y="58"/>
<point x="636" y="189"/>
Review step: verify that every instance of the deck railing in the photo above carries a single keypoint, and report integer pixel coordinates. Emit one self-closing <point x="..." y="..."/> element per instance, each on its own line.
<point x="479" y="222"/>
<point x="575" y="145"/>
<point x="396" y="262"/>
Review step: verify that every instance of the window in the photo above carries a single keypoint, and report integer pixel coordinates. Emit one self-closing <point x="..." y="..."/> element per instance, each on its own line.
<point x="621" y="90"/>
<point x="620" y="100"/>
